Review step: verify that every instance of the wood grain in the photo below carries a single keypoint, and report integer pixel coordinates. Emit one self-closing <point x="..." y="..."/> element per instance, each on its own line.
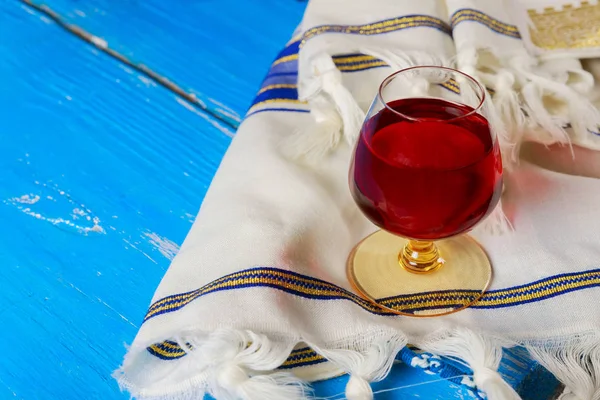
<point x="217" y="49"/>
<point x="102" y="174"/>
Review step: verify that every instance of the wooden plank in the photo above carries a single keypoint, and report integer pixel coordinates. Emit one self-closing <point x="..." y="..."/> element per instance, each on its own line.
<point x="403" y="383"/>
<point x="102" y="174"/>
<point x="218" y="50"/>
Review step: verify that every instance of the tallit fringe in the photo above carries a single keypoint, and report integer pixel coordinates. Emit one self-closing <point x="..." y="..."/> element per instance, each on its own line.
<point x="481" y="353"/>
<point x="398" y="60"/>
<point x="336" y="114"/>
<point x="371" y="365"/>
<point x="313" y="142"/>
<point x="503" y="110"/>
<point x="191" y="394"/>
<point x="534" y="100"/>
<point x="239" y="365"/>
<point x="575" y="363"/>
<point x="570" y="72"/>
<point x="570" y="107"/>
<point x="231" y="365"/>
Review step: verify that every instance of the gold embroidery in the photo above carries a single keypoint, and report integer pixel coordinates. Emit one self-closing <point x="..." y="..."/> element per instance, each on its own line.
<point x="468" y="14"/>
<point x="353" y="59"/>
<point x="302" y="356"/>
<point x="569" y="28"/>
<point x="451" y="85"/>
<point x="278" y="86"/>
<point x="290" y="363"/>
<point x="377" y="28"/>
<point x="170" y="345"/>
<point x="360" y="67"/>
<point x="168" y="354"/>
<point x="272" y="101"/>
<point x="314" y="288"/>
<point x="291" y="57"/>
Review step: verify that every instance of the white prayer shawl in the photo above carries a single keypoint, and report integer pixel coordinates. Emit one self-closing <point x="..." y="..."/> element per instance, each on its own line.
<point x="257" y="300"/>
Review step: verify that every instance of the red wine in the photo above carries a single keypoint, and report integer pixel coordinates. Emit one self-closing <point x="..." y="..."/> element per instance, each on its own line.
<point x="430" y="176"/>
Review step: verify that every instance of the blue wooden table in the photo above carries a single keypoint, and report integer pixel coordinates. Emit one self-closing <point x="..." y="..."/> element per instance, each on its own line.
<point x="103" y="170"/>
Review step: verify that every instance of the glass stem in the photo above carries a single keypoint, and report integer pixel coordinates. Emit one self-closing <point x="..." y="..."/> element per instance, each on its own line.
<point x="420" y="257"/>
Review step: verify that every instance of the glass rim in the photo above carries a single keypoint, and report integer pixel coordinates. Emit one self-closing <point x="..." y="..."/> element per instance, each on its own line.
<point x="390" y="77"/>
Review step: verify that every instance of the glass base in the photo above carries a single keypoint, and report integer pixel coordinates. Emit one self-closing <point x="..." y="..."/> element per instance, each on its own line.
<point x="460" y="277"/>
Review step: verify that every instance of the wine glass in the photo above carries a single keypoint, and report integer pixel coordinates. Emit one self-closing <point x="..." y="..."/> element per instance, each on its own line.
<point x="426" y="168"/>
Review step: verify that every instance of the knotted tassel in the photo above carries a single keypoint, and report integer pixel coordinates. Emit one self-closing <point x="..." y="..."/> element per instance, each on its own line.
<point x="507" y="104"/>
<point x="371" y="364"/>
<point x="570" y="72"/>
<point x="235" y="383"/>
<point x="503" y="110"/>
<point x="482" y="354"/>
<point x="358" y="388"/>
<point x="241" y="365"/>
<point x="335" y="112"/>
<point x="553" y="105"/>
<point x="575" y="362"/>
